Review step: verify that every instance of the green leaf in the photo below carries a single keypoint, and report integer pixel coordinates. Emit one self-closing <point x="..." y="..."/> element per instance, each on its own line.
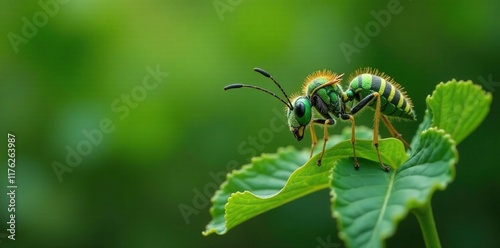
<point x="369" y="203"/>
<point x="265" y="175"/>
<point x="263" y="185"/>
<point x="457" y="107"/>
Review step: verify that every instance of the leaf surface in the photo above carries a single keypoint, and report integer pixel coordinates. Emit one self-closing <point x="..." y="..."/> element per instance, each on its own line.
<point x="369" y="203"/>
<point x="275" y="179"/>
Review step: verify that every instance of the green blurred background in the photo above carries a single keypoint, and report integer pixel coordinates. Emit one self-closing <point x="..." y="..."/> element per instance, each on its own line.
<point x="171" y="143"/>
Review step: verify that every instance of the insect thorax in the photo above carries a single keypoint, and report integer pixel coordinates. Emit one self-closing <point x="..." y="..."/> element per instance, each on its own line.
<point x="326" y="98"/>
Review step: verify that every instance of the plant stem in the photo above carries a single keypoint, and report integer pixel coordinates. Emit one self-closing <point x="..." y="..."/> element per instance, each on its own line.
<point x="428" y="226"/>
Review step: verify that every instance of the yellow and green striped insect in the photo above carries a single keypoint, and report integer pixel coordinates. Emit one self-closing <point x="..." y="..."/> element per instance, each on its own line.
<point x="322" y="92"/>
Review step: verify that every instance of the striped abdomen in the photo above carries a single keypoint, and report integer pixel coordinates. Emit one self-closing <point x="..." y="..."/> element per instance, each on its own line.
<point x="394" y="101"/>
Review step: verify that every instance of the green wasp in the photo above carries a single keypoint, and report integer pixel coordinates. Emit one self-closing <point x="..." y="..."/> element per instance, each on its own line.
<point x="322" y="91"/>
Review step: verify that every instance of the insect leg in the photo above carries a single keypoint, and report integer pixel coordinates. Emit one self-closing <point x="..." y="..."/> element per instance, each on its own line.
<point x="353" y="137"/>
<point x="314" y="139"/>
<point x="362" y="104"/>
<point x="325" y="123"/>
<point x="375" y="131"/>
<point x="325" y="139"/>
<point x="394" y="132"/>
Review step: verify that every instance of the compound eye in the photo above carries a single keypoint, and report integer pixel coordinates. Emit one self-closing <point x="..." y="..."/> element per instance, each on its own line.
<point x="300" y="109"/>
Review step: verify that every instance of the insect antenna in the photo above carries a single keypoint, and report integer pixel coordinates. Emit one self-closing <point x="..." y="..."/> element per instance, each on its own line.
<point x="236" y="86"/>
<point x="266" y="74"/>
